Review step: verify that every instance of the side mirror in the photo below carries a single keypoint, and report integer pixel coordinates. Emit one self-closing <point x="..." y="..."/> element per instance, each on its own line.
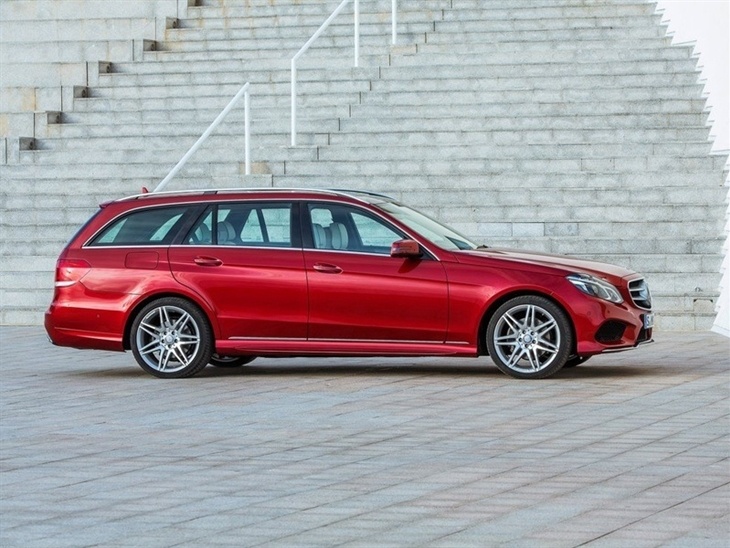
<point x="406" y="249"/>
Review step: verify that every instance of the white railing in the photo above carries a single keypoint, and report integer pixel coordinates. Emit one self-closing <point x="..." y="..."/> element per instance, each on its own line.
<point x="320" y="30"/>
<point x="243" y="92"/>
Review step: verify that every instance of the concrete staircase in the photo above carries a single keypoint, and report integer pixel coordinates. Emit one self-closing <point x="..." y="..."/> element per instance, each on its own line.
<point x="569" y="126"/>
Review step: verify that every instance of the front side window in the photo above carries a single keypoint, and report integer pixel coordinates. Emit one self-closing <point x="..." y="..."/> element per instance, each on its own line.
<point x="439" y="234"/>
<point x="243" y="225"/>
<point x="346" y="228"/>
<point x="156" y="226"/>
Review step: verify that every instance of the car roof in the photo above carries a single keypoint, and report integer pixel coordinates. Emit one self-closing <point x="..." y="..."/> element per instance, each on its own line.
<point x="254" y="193"/>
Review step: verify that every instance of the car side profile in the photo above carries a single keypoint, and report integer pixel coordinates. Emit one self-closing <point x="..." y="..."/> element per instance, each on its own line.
<point x="220" y="277"/>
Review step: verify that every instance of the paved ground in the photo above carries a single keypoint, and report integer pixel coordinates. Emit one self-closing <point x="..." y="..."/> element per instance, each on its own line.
<point x="627" y="450"/>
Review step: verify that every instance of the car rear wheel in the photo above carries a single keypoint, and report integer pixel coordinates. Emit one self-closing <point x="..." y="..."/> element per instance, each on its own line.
<point x="171" y="338"/>
<point x="529" y="337"/>
<point x="217" y="360"/>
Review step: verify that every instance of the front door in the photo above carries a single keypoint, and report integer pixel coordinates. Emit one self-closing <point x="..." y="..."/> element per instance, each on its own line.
<point x="358" y="292"/>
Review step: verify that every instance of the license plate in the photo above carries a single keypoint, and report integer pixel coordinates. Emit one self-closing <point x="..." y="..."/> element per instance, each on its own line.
<point x="648" y="321"/>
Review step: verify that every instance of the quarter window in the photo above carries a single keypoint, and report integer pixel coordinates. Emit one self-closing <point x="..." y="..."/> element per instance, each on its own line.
<point x="156" y="226"/>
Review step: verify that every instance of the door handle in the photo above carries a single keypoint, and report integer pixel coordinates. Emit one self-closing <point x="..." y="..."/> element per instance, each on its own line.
<point x="327" y="268"/>
<point x="207" y="261"/>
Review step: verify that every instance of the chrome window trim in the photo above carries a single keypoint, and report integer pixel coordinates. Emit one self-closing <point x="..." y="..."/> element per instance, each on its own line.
<point x="327" y="197"/>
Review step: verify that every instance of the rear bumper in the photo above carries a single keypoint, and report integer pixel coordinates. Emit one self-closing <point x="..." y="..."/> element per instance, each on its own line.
<point x="62" y="328"/>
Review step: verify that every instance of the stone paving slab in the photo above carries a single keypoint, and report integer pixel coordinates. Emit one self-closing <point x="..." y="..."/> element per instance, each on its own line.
<point x="629" y="449"/>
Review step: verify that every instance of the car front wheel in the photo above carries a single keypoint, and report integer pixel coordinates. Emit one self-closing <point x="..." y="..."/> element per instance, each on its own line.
<point x="529" y="337"/>
<point x="171" y="338"/>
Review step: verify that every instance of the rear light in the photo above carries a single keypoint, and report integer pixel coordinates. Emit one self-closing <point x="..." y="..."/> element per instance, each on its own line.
<point x="70" y="271"/>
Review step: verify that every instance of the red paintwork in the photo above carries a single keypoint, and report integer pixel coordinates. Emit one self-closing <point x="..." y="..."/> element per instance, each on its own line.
<point x="266" y="301"/>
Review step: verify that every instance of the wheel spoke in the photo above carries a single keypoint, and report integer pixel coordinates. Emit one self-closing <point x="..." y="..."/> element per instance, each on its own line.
<point x="546" y="346"/>
<point x="161" y="361"/>
<point x="179" y="355"/>
<point x="534" y="359"/>
<point x="507" y="340"/>
<point x="150" y="347"/>
<point x="517" y="354"/>
<point x="150" y="329"/>
<point x="181" y="322"/>
<point x="545" y="327"/>
<point x="530" y="317"/>
<point x="512" y="322"/>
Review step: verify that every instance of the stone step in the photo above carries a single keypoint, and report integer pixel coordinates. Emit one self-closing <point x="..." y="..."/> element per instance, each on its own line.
<point x="204" y="5"/>
<point x="484" y="35"/>
<point x="467" y="151"/>
<point x="487" y="167"/>
<point x="470" y="97"/>
<point x="451" y="103"/>
<point x="556" y="122"/>
<point x="282" y="9"/>
<point x="280" y="81"/>
<point x="60" y="51"/>
<point x="236" y="19"/>
<point x="460" y="27"/>
<point x="498" y="56"/>
<point x="507" y="43"/>
<point x="578" y="157"/>
<point x="431" y="145"/>
<point x="311" y="67"/>
<point x="414" y="137"/>
<point x="497" y="82"/>
<point x="40" y="179"/>
<point x="479" y="68"/>
<point x="343" y="27"/>
<point x="264" y="133"/>
<point x="175" y="89"/>
<point x="508" y="12"/>
<point x="540" y="110"/>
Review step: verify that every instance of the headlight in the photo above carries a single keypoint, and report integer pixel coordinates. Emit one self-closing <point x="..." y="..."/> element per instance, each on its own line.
<point x="594" y="287"/>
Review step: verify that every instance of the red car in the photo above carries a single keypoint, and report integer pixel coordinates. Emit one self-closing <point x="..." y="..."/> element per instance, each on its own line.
<point x="220" y="277"/>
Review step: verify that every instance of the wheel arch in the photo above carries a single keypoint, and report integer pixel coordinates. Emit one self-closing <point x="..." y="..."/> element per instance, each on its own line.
<point x="134" y="311"/>
<point x="494" y="305"/>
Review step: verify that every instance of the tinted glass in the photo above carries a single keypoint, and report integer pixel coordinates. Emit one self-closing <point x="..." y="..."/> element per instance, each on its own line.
<point x="156" y="226"/>
<point x="348" y="228"/>
<point x="244" y="224"/>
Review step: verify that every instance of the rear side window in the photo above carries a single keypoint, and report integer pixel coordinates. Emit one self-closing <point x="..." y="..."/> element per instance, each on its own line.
<point x="244" y="225"/>
<point x="157" y="226"/>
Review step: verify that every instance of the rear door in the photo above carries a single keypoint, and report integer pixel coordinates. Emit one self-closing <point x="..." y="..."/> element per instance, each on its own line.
<point x="246" y="260"/>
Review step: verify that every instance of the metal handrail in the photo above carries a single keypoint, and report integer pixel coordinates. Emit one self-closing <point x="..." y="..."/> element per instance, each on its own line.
<point x="243" y="92"/>
<point x="320" y="30"/>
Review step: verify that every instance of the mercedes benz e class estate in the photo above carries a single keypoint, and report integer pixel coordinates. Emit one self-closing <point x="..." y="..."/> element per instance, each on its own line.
<point x="188" y="279"/>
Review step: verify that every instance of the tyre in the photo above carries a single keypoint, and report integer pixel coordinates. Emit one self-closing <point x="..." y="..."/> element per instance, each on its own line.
<point x="529" y="337"/>
<point x="171" y="338"/>
<point x="217" y="360"/>
<point x="575" y="361"/>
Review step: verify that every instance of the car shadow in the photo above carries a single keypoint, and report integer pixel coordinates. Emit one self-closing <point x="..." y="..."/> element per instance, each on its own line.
<point x="311" y="367"/>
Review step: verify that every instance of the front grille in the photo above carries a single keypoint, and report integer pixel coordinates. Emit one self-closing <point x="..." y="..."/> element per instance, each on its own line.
<point x="640" y="293"/>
